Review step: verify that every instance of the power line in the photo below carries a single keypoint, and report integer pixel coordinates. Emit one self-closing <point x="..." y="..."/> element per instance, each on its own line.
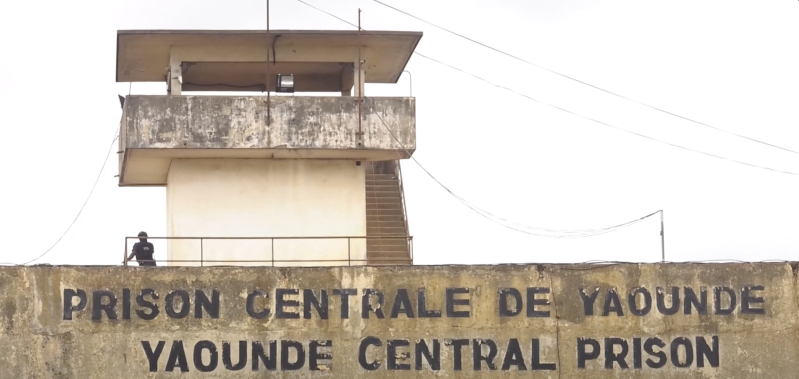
<point x="519" y="227"/>
<point x="585" y="83"/>
<point x="558" y="107"/>
<point x="81" y="208"/>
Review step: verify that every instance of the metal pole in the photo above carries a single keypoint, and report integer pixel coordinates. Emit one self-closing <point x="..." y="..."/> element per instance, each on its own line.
<point x="273" y="252"/>
<point x="360" y="79"/>
<point x="410" y="78"/>
<point x="202" y="254"/>
<point x="125" y="253"/>
<point x="349" y="254"/>
<point x="662" y="239"/>
<point x="410" y="242"/>
<point x="268" y="76"/>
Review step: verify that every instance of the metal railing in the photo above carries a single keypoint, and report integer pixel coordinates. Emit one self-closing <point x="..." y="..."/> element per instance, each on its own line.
<point x="398" y="171"/>
<point x="271" y="253"/>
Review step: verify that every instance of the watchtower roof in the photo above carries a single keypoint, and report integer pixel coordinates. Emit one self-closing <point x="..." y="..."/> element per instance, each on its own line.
<point x="144" y="55"/>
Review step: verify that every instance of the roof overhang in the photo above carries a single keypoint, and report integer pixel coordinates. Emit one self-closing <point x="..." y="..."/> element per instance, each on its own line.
<point x="144" y="55"/>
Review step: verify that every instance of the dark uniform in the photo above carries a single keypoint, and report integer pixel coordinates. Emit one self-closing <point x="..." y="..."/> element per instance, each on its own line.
<point x="143" y="251"/>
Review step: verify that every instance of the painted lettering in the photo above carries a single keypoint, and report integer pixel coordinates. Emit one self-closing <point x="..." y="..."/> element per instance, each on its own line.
<point x="402" y="304"/>
<point x="177" y="299"/>
<point x="251" y="298"/>
<point x="505" y="308"/>
<point x="281" y="303"/>
<point x="421" y="298"/>
<point x="366" y="303"/>
<point x="202" y="302"/>
<point x="680" y="352"/>
<point x="451" y="302"/>
<point x="310" y="300"/>
<point x="345" y="294"/>
<point x="69" y="305"/>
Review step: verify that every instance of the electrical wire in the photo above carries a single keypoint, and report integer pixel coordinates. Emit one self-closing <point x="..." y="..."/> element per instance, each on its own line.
<point x="501" y="221"/>
<point x="81" y="208"/>
<point x="561" y="108"/>
<point x="585" y="83"/>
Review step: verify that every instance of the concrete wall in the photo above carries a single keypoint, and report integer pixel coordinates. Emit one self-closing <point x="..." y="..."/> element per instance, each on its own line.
<point x="539" y="321"/>
<point x="266" y="198"/>
<point x="240" y="122"/>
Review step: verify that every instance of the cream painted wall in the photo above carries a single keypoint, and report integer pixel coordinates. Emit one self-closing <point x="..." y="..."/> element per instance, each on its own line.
<point x="266" y="198"/>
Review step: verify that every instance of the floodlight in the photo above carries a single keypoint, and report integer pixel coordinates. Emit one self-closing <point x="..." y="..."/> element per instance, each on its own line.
<point x="285" y="83"/>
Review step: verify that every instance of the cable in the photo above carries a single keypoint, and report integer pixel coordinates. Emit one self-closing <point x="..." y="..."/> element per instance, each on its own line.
<point x="81" y="208"/>
<point x="584" y="83"/>
<point x="560" y="108"/>
<point x="493" y="218"/>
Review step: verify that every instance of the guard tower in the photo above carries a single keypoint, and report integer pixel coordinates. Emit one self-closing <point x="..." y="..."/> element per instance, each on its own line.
<point x="280" y="179"/>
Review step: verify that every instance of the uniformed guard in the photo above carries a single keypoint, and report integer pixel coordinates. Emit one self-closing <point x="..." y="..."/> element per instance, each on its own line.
<point x="143" y="251"/>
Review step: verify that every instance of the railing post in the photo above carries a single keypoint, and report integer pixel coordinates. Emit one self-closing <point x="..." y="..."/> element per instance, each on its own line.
<point x="349" y="252"/>
<point x="273" y="251"/>
<point x="125" y="253"/>
<point x="202" y="254"/>
<point x="410" y="243"/>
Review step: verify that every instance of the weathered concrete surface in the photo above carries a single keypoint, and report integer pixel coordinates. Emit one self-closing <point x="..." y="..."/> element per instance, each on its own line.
<point x="239" y="122"/>
<point x="753" y="337"/>
<point x="157" y="129"/>
<point x="266" y="197"/>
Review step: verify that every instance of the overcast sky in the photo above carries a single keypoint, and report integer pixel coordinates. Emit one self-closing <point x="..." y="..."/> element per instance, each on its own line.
<point x="730" y="64"/>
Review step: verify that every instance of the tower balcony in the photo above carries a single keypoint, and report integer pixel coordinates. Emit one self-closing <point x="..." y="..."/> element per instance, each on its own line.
<point x="157" y="129"/>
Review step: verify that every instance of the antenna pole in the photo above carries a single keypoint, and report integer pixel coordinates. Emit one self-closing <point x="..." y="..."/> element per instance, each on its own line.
<point x="268" y="76"/>
<point x="662" y="239"/>
<point x="360" y="79"/>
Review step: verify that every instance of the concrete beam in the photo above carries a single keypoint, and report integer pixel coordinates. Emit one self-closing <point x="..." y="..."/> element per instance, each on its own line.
<point x="168" y="127"/>
<point x="282" y="53"/>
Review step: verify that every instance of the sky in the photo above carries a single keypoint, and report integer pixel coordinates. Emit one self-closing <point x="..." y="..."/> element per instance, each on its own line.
<point x="729" y="64"/>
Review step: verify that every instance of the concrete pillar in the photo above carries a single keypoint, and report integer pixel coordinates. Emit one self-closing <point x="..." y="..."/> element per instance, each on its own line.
<point x="175" y="76"/>
<point x="360" y="78"/>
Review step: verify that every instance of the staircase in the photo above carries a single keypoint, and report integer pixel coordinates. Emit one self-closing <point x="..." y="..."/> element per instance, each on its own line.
<point x="385" y="215"/>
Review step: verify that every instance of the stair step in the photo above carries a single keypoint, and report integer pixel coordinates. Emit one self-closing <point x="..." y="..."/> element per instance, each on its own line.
<point x="387" y="248"/>
<point x="377" y="254"/>
<point x="381" y="231"/>
<point x="377" y="251"/>
<point x="381" y="218"/>
<point x="387" y="239"/>
<point x="385" y="232"/>
<point x="381" y="183"/>
<point x="380" y="200"/>
<point x="373" y="210"/>
<point x="383" y="193"/>
<point x="385" y="242"/>
<point x="381" y="176"/>
<point x="383" y="206"/>
<point x="383" y="200"/>
<point x="394" y="223"/>
<point x="385" y="224"/>
<point x="382" y="187"/>
<point x="388" y="261"/>
<point x="403" y="262"/>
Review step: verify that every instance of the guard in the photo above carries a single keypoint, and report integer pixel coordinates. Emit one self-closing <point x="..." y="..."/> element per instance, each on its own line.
<point x="143" y="251"/>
